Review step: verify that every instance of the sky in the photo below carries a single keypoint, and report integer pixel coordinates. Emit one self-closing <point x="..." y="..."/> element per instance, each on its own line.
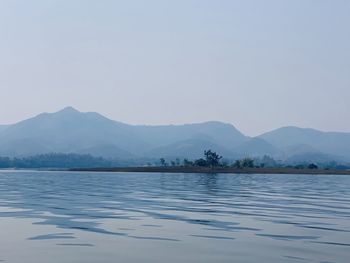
<point x="258" y="65"/>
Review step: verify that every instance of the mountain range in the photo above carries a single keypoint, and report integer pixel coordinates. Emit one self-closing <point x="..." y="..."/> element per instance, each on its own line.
<point x="72" y="131"/>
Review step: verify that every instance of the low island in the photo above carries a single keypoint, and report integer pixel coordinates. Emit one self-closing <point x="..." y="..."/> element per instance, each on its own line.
<point x="211" y="163"/>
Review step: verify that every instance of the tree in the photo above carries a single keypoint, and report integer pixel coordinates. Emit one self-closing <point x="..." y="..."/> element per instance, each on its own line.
<point x="187" y="162"/>
<point x="201" y="162"/>
<point x="299" y="166"/>
<point x="163" y="162"/>
<point x="267" y="161"/>
<point x="244" y="163"/>
<point x="247" y="163"/>
<point x="312" y="166"/>
<point x="237" y="164"/>
<point x="5" y="162"/>
<point x="212" y="158"/>
<point x="225" y="163"/>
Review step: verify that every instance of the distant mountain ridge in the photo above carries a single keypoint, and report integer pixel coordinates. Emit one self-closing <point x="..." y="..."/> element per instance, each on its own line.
<point x="72" y="131"/>
<point x="332" y="143"/>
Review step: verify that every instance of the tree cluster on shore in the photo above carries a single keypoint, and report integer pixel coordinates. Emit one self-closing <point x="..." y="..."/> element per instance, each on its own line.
<point x="209" y="159"/>
<point x="54" y="160"/>
<point x="212" y="159"/>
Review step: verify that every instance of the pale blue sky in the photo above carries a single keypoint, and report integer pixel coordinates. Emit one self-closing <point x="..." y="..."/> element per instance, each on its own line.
<point x="256" y="64"/>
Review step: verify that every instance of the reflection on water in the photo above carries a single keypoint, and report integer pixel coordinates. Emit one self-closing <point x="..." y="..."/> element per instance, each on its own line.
<point x="127" y="217"/>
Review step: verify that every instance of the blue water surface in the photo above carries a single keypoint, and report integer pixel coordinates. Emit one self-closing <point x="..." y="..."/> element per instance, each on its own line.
<point x="151" y="217"/>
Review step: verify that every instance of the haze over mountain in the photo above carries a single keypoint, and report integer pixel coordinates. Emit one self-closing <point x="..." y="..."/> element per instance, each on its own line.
<point x="257" y="147"/>
<point x="71" y="131"/>
<point x="333" y="143"/>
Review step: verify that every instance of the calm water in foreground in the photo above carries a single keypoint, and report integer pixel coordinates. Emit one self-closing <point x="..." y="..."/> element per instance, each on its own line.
<point x="119" y="217"/>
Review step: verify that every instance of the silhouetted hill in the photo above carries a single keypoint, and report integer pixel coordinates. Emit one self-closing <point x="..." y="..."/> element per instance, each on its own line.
<point x="298" y="149"/>
<point x="332" y="143"/>
<point x="308" y="158"/>
<point x="72" y="131"/>
<point x="257" y="147"/>
<point x="65" y="131"/>
<point x="191" y="149"/>
<point x="218" y="132"/>
<point x="107" y="151"/>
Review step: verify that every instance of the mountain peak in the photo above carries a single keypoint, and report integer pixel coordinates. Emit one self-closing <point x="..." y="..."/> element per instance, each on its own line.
<point x="68" y="109"/>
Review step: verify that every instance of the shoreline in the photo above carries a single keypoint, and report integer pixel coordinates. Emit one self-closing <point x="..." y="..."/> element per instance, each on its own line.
<point x="182" y="169"/>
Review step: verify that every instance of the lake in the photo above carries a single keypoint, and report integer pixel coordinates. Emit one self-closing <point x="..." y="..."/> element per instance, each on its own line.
<point x="147" y="217"/>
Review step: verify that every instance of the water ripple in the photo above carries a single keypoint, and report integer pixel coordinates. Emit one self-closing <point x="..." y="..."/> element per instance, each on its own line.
<point x="298" y="214"/>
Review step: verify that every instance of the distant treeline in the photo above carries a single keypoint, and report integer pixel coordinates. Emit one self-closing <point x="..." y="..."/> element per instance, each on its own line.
<point x="212" y="159"/>
<point x="55" y="160"/>
<point x="209" y="159"/>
